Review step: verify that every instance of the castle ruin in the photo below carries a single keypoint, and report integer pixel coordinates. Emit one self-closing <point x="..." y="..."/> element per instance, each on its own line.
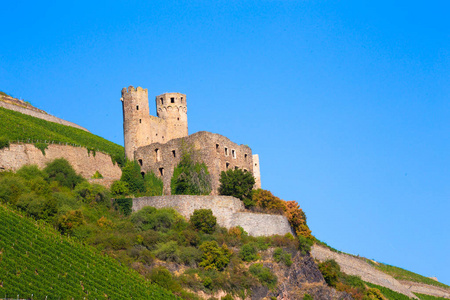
<point x="158" y="142"/>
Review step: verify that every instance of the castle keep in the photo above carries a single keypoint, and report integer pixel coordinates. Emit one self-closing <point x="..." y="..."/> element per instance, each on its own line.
<point x="157" y="142"/>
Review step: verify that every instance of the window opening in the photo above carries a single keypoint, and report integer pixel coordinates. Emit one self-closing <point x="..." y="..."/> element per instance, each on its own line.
<point x="245" y="170"/>
<point x="178" y="119"/>
<point x="143" y="174"/>
<point x="226" y="151"/>
<point x="157" y="155"/>
<point x="140" y="162"/>
<point x="174" y="154"/>
<point x="181" y="99"/>
<point x="162" y="101"/>
<point x="245" y="157"/>
<point x="137" y="107"/>
<point x="233" y="153"/>
<point x="172" y="100"/>
<point x="227" y="165"/>
<point x="161" y="171"/>
<point x="140" y="121"/>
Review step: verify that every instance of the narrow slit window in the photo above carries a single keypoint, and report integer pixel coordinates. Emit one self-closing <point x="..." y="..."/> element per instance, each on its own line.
<point x="227" y="165"/>
<point x="226" y="151"/>
<point x="162" y="101"/>
<point x="233" y="153"/>
<point x="161" y="171"/>
<point x="157" y="155"/>
<point x="181" y="99"/>
<point x="245" y="157"/>
<point x="137" y="107"/>
<point x="174" y="153"/>
<point x="140" y="121"/>
<point x="140" y="162"/>
<point x="172" y="100"/>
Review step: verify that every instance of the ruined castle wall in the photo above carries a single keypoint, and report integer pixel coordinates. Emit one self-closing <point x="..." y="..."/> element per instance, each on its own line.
<point x="256" y="171"/>
<point x="18" y="155"/>
<point x="172" y="107"/>
<point x="38" y="114"/>
<point x="228" y="210"/>
<point x="261" y="224"/>
<point x="215" y="150"/>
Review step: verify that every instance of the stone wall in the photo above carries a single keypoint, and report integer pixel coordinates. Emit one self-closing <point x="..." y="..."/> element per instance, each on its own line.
<point x="17" y="155"/>
<point x="228" y="210"/>
<point x="426" y="289"/>
<point x="353" y="266"/>
<point x="14" y="104"/>
<point x="215" y="150"/>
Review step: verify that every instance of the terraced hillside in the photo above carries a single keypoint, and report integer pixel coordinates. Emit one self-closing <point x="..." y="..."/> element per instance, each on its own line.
<point x="17" y="127"/>
<point x="37" y="262"/>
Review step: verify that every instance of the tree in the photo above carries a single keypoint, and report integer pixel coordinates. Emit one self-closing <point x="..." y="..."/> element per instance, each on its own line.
<point x="131" y="174"/>
<point x="190" y="178"/>
<point x="239" y="184"/>
<point x="61" y="171"/>
<point x="203" y="220"/>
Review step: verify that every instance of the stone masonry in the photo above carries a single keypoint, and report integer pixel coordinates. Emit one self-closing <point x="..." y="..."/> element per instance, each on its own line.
<point x="228" y="210"/>
<point x="157" y="143"/>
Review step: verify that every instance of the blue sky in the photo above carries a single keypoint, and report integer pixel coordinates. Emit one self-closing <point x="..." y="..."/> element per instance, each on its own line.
<point x="346" y="102"/>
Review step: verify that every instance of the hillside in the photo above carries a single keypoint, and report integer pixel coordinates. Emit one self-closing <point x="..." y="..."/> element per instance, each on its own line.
<point x="37" y="262"/>
<point x="20" y="128"/>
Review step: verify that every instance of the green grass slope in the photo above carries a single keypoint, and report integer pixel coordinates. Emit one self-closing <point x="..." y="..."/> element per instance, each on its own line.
<point x="24" y="128"/>
<point x="37" y="262"/>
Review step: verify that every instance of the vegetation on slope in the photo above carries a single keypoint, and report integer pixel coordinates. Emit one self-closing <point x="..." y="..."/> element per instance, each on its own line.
<point x="37" y="262"/>
<point x="24" y="128"/>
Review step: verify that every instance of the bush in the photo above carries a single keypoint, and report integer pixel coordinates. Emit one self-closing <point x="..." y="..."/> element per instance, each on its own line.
<point x="123" y="205"/>
<point x="213" y="256"/>
<point x="330" y="270"/>
<point x="4" y="142"/>
<point x="237" y="183"/>
<point x="168" y="251"/>
<point x="190" y="256"/>
<point x="308" y="297"/>
<point x="29" y="172"/>
<point x="61" y="171"/>
<point x="11" y="188"/>
<point x="66" y="223"/>
<point x="156" y="219"/>
<point x="190" y="178"/>
<point x="131" y="174"/>
<point x="119" y="188"/>
<point x="264" y="275"/>
<point x="153" y="185"/>
<point x="248" y="253"/>
<point x="280" y="256"/>
<point x="304" y="244"/>
<point x="93" y="193"/>
<point x="203" y="220"/>
<point x="97" y="175"/>
<point x="162" y="277"/>
<point x="37" y="206"/>
<point x="266" y="200"/>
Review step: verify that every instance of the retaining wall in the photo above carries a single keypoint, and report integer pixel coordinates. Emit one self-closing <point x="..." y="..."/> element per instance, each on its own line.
<point x="18" y="155"/>
<point x="229" y="211"/>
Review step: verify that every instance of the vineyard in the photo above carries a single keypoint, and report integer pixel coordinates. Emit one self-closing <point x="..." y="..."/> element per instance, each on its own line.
<point x="17" y="127"/>
<point x="36" y="262"/>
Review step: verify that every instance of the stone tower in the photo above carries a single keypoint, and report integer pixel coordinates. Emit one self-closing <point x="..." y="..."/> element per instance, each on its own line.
<point x="172" y="108"/>
<point x="136" y="119"/>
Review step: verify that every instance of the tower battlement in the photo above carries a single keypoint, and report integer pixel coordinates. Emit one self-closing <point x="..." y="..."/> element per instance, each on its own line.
<point x="131" y="90"/>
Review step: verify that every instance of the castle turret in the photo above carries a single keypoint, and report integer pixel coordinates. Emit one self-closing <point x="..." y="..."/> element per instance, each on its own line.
<point x="172" y="108"/>
<point x="136" y="119"/>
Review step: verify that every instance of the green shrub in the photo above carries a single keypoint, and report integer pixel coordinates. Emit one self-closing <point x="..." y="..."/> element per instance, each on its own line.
<point x="4" y="142"/>
<point x="308" y="297"/>
<point x="330" y="270"/>
<point x="119" y="188"/>
<point x="37" y="206"/>
<point x="280" y="256"/>
<point x="190" y="178"/>
<point x="190" y="256"/>
<point x="97" y="175"/>
<point x="157" y="219"/>
<point x="153" y="185"/>
<point x="227" y="297"/>
<point x="203" y="220"/>
<point x="61" y="171"/>
<point x="66" y="223"/>
<point x="93" y="193"/>
<point x="131" y="174"/>
<point x="237" y="183"/>
<point x="29" y="172"/>
<point x="11" y="187"/>
<point x="168" y="251"/>
<point x="42" y="147"/>
<point x="123" y="205"/>
<point x="213" y="256"/>
<point x="248" y="252"/>
<point x="304" y="244"/>
<point x="162" y="277"/>
<point x="264" y="275"/>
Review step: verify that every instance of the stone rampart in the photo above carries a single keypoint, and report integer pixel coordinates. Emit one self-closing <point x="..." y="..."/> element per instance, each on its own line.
<point x="39" y="114"/>
<point x="228" y="210"/>
<point x="86" y="164"/>
<point x="353" y="266"/>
